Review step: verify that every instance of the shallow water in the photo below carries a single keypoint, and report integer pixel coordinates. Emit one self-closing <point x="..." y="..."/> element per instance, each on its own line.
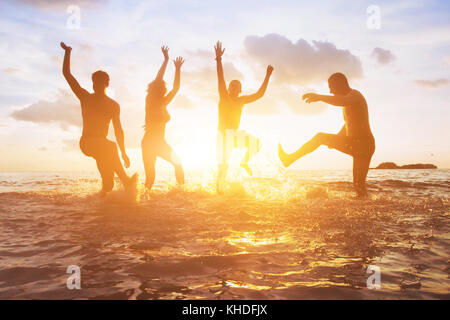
<point x="295" y="235"/>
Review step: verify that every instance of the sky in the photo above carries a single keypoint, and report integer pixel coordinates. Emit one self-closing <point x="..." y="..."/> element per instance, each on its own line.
<point x="397" y="53"/>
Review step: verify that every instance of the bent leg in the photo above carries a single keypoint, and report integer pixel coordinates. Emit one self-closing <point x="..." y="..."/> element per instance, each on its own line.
<point x="149" y="159"/>
<point x="107" y="174"/>
<point x="107" y="157"/>
<point x="334" y="141"/>
<point x="169" y="155"/>
<point x="111" y="149"/>
<point x="252" y="150"/>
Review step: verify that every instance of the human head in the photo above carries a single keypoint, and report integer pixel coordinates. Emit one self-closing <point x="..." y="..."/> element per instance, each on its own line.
<point x="100" y="81"/>
<point x="338" y="84"/>
<point x="157" y="88"/>
<point x="234" y="88"/>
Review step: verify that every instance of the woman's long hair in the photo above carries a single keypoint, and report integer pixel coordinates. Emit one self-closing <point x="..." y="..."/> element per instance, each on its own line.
<point x="156" y="90"/>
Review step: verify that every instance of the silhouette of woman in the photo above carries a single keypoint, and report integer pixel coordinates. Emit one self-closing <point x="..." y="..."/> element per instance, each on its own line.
<point x="154" y="143"/>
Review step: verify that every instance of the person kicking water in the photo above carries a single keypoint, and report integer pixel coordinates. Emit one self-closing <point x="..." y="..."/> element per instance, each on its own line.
<point x="355" y="138"/>
<point x="154" y="143"/>
<point x="98" y="110"/>
<point x="230" y="112"/>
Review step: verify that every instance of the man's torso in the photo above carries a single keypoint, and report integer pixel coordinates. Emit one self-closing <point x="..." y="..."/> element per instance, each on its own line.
<point x="356" y="117"/>
<point x="97" y="112"/>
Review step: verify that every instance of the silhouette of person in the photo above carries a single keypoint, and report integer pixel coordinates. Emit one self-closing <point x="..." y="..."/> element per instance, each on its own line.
<point x="154" y="143"/>
<point x="98" y="110"/>
<point x="355" y="138"/>
<point x="231" y="104"/>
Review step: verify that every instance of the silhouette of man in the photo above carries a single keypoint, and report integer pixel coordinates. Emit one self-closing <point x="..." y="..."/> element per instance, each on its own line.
<point x="230" y="111"/>
<point x="98" y="110"/>
<point x="355" y="138"/>
<point x="154" y="143"/>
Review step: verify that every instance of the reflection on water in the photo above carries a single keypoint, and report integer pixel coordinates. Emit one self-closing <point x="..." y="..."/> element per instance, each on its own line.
<point x="298" y="235"/>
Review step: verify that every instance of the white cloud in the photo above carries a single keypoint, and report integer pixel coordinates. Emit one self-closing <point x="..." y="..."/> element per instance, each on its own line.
<point x="301" y="62"/>
<point x="382" y="56"/>
<point x="64" y="109"/>
<point x="433" y="83"/>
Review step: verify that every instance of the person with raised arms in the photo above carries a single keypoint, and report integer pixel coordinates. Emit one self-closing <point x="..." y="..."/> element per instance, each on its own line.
<point x="98" y="110"/>
<point x="154" y="142"/>
<point x="231" y="104"/>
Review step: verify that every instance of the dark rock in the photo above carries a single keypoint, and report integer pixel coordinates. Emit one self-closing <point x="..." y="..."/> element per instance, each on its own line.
<point x="392" y="165"/>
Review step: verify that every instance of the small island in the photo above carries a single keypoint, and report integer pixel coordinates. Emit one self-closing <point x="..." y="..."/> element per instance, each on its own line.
<point x="392" y="165"/>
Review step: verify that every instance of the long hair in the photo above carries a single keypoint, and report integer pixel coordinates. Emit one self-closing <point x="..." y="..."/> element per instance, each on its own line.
<point x="156" y="90"/>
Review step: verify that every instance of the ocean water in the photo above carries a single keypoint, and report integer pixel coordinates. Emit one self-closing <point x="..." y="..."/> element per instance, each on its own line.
<point x="287" y="235"/>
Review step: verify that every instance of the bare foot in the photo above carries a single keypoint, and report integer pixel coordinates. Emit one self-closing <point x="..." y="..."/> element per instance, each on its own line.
<point x="284" y="157"/>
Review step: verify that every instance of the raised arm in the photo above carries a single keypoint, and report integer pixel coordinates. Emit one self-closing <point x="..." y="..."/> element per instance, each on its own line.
<point x="339" y="101"/>
<point x="260" y="93"/>
<point x="73" y="83"/>
<point x="178" y="62"/>
<point x="162" y="70"/>
<point x="118" y="131"/>
<point x="221" y="79"/>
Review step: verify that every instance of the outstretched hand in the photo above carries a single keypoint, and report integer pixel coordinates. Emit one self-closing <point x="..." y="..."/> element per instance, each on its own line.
<point x="65" y="47"/>
<point x="178" y="62"/>
<point x="219" y="50"/>
<point x="311" y="97"/>
<point x="165" y="51"/>
<point x="269" y="70"/>
<point x="126" y="160"/>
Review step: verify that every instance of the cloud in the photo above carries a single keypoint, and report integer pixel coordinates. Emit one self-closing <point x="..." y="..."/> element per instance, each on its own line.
<point x="447" y="60"/>
<point x="52" y="5"/>
<point x="202" y="82"/>
<point x="64" y="110"/>
<point x="285" y="96"/>
<point x="11" y="70"/>
<point x="382" y="56"/>
<point x="433" y="83"/>
<point x="70" y="145"/>
<point x="301" y="63"/>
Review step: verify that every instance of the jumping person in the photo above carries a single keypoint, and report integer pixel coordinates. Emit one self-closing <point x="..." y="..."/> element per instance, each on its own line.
<point x="154" y="143"/>
<point x="230" y="111"/>
<point x="98" y="110"/>
<point x="355" y="138"/>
